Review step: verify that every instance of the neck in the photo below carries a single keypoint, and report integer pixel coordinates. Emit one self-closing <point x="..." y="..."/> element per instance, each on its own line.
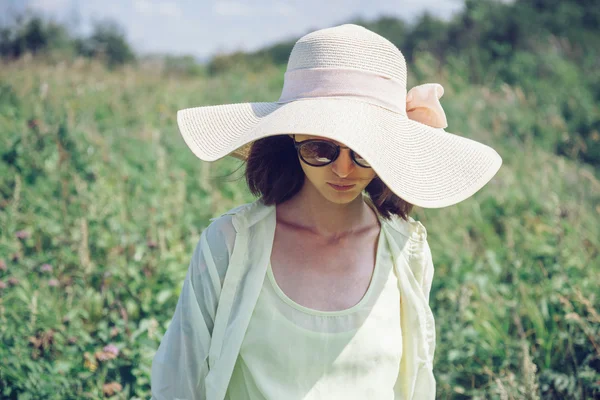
<point x="309" y="210"/>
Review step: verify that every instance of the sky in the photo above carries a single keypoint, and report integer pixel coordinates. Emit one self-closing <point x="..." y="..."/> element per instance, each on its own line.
<point x="203" y="28"/>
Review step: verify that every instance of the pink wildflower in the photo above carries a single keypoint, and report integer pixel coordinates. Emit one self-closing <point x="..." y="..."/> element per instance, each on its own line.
<point x="46" y="268"/>
<point x="111" y="348"/>
<point x="13" y="281"/>
<point x="108" y="353"/>
<point x="2" y="285"/>
<point x="53" y="282"/>
<point x="22" y="234"/>
<point x="3" y="265"/>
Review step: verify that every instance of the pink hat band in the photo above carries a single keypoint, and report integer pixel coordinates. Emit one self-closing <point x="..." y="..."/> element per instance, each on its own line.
<point x="420" y="104"/>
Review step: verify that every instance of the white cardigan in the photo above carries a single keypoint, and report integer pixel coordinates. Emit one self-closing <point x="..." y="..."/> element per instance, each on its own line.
<point x="197" y="354"/>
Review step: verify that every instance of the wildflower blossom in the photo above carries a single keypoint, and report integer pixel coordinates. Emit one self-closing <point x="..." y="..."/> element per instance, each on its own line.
<point x="111" y="348"/>
<point x="46" y="268"/>
<point x="109" y="352"/>
<point x="2" y="285"/>
<point x="22" y="234"/>
<point x="3" y="265"/>
<point x="53" y="282"/>
<point x="13" y="281"/>
<point x="111" y="388"/>
<point x="104" y="356"/>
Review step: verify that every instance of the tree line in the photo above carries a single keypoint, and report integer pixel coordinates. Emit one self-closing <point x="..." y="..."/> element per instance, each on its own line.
<point x="34" y="34"/>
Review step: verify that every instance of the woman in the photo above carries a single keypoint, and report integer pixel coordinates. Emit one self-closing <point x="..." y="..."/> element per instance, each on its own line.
<point x="320" y="288"/>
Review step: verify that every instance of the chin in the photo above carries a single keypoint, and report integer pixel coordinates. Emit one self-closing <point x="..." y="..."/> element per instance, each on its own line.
<point x="340" y="197"/>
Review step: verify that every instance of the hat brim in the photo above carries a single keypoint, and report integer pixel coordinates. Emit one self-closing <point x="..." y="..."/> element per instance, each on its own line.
<point x="425" y="166"/>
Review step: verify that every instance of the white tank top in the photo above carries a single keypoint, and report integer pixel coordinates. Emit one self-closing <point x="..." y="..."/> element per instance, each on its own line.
<point x="294" y="352"/>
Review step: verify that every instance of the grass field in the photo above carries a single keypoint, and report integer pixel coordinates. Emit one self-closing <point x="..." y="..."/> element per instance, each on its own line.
<point x="101" y="204"/>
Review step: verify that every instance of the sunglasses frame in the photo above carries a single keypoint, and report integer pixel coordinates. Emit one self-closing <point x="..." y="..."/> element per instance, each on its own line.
<point x="297" y="145"/>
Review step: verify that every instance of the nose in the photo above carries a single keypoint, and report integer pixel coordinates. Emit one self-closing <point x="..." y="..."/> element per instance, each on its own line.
<point x="343" y="165"/>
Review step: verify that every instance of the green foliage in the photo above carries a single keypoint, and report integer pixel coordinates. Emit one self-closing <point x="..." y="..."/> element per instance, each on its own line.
<point x="34" y="35"/>
<point x="96" y="183"/>
<point x="31" y="33"/>
<point x="106" y="42"/>
<point x="226" y="63"/>
<point x="183" y="65"/>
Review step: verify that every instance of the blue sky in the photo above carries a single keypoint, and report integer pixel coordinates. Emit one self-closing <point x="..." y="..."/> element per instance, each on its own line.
<point x="205" y="27"/>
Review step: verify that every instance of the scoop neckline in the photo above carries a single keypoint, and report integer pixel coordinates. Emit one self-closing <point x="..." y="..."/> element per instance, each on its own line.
<point x="311" y="311"/>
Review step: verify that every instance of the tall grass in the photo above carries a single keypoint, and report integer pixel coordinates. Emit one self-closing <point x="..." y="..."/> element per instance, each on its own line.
<point x="97" y="184"/>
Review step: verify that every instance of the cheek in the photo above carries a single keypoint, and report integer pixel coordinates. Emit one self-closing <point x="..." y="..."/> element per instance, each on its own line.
<point x="367" y="177"/>
<point x="307" y="171"/>
<point x="318" y="176"/>
<point x="314" y="174"/>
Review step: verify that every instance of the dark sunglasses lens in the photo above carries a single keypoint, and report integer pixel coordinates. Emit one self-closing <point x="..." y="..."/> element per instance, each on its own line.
<point x="361" y="161"/>
<point x="318" y="153"/>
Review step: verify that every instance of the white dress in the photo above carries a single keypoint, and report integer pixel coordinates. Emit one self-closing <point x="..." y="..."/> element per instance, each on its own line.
<point x="294" y="352"/>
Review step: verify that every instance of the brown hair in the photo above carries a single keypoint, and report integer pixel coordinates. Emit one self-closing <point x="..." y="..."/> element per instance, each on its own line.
<point x="274" y="173"/>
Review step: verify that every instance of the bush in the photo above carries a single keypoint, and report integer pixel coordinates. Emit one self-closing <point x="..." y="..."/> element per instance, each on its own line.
<point x="107" y="42"/>
<point x="33" y="35"/>
<point x="30" y="33"/>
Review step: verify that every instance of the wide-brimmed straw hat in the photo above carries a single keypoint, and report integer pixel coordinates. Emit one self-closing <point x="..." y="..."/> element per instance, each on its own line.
<point x="348" y="84"/>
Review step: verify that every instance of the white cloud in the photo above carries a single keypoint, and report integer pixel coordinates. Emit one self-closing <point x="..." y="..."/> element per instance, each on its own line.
<point x="233" y="8"/>
<point x="159" y="8"/>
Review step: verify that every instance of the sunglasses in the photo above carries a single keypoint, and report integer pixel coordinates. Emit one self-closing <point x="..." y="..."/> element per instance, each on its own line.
<point x="319" y="153"/>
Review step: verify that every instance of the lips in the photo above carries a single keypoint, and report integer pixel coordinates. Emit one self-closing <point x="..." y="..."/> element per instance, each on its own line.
<point x="341" y="187"/>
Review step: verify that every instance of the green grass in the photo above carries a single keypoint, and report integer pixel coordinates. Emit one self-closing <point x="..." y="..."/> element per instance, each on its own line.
<point x="96" y="181"/>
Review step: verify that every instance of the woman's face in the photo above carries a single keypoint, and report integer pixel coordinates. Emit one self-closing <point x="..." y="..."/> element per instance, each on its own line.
<point x="343" y="171"/>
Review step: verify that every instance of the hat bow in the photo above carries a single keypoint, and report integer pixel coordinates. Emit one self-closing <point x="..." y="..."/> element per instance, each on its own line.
<point x="423" y="105"/>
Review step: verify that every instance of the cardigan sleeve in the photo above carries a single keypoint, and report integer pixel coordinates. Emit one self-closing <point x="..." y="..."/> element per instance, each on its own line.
<point x="423" y="271"/>
<point x="421" y="259"/>
<point x="428" y="269"/>
<point x="180" y="364"/>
